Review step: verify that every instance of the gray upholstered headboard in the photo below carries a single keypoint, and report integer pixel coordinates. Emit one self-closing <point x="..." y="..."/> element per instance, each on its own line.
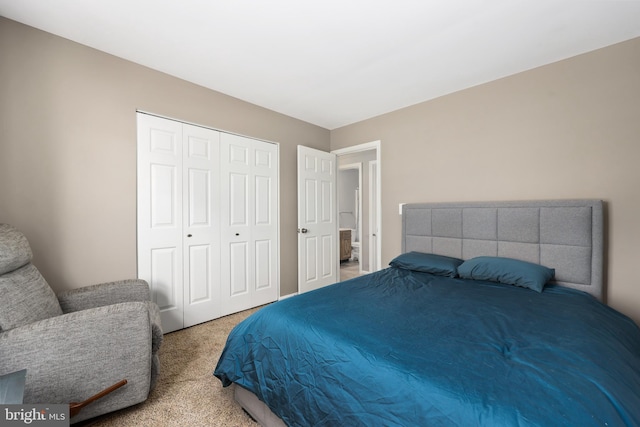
<point x="563" y="234"/>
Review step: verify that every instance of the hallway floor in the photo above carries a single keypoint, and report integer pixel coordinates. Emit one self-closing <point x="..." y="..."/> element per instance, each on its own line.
<point x="349" y="270"/>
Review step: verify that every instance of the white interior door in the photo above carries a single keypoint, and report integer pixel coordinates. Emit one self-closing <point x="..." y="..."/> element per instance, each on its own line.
<point x="249" y="232"/>
<point x="201" y="219"/>
<point x="160" y="240"/>
<point x="318" y="250"/>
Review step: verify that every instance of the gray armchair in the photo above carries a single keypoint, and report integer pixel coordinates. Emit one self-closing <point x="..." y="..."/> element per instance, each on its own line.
<point x="79" y="342"/>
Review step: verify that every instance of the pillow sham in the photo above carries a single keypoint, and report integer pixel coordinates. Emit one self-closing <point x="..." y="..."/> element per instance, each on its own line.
<point x="428" y="263"/>
<point x="507" y="270"/>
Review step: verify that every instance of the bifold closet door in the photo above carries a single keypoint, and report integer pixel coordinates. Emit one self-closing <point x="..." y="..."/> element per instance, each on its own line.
<point x="178" y="219"/>
<point x="249" y="228"/>
<point x="201" y="224"/>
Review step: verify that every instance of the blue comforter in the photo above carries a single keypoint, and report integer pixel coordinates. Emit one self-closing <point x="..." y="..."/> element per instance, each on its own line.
<point x="402" y="348"/>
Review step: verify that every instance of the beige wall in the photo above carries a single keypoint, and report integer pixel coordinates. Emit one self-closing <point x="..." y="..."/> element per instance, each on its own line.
<point x="566" y="130"/>
<point x="68" y="152"/>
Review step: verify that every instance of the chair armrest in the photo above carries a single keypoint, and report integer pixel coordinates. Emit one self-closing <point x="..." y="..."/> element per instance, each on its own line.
<point x="104" y="294"/>
<point x="71" y="357"/>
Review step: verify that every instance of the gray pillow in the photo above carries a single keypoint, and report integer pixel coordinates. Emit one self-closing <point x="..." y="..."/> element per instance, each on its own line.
<point x="26" y="298"/>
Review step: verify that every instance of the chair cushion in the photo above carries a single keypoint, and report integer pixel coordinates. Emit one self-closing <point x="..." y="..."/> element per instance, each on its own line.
<point x="26" y="298"/>
<point x="14" y="249"/>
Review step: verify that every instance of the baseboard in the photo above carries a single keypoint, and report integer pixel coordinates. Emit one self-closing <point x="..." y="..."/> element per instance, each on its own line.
<point x="287" y="296"/>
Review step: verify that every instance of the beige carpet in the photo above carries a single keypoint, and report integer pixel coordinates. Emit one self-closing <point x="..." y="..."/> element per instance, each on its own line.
<point x="187" y="393"/>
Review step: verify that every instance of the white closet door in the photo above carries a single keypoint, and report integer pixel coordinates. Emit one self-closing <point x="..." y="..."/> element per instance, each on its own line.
<point x="160" y="239"/>
<point x="249" y="228"/>
<point x="265" y="230"/>
<point x="201" y="230"/>
<point x="179" y="220"/>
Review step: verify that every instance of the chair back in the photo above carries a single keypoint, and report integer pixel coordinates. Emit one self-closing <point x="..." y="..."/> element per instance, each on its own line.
<point x="26" y="296"/>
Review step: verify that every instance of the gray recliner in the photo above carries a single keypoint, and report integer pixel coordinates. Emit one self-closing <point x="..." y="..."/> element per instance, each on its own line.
<point x="77" y="343"/>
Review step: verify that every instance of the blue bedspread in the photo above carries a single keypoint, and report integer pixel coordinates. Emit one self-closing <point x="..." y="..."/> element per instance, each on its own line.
<point x="401" y="348"/>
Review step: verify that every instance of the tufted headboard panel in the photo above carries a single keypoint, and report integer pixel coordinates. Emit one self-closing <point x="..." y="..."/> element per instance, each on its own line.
<point x="563" y="234"/>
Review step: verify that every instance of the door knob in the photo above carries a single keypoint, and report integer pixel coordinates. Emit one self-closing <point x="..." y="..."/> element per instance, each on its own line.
<point x="189" y="235"/>
<point x="303" y="230"/>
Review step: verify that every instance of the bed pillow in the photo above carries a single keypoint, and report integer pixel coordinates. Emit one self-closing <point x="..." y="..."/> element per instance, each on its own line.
<point x="507" y="270"/>
<point x="428" y="263"/>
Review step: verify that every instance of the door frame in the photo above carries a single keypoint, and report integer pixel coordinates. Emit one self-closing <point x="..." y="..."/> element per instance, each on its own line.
<point x="373" y="165"/>
<point x="374" y="145"/>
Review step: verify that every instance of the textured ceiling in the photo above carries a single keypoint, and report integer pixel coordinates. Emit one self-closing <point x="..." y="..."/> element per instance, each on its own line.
<point x="336" y="62"/>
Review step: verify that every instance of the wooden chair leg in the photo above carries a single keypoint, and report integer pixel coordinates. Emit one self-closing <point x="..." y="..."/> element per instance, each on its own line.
<point x="75" y="407"/>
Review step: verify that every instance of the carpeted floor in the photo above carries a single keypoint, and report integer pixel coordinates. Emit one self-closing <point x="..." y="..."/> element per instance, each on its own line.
<point x="187" y="393"/>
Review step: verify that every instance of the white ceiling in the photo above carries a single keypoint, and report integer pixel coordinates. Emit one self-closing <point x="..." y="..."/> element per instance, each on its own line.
<point x="336" y="62"/>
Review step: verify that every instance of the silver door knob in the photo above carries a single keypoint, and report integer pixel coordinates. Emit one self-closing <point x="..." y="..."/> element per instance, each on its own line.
<point x="302" y="230"/>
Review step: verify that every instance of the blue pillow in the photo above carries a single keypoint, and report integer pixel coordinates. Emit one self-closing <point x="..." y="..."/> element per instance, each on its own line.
<point x="507" y="270"/>
<point x="428" y="263"/>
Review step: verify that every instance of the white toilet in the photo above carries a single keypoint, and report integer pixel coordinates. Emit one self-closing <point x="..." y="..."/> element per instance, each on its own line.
<point x="355" y="247"/>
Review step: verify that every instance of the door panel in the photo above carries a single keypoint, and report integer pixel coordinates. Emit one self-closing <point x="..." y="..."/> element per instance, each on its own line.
<point x="166" y="278"/>
<point x="238" y="267"/>
<point x="164" y="196"/>
<point x="201" y="229"/>
<point x="317" y="215"/>
<point x="311" y="201"/>
<point x="160" y="246"/>
<point x="249" y="190"/>
<point x="263" y="197"/>
<point x="311" y="269"/>
<point x="199" y="260"/>
<point x="199" y="198"/>
<point x="238" y="188"/>
<point x="264" y="260"/>
<point x="328" y="253"/>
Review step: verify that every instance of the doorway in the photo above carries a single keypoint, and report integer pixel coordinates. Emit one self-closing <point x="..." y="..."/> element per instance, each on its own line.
<point x="359" y="206"/>
<point x="350" y="219"/>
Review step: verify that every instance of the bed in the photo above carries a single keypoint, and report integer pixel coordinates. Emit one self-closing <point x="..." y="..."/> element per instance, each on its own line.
<point x="491" y="315"/>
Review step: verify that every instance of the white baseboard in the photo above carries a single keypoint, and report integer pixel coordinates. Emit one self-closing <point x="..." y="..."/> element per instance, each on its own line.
<point x="287" y="296"/>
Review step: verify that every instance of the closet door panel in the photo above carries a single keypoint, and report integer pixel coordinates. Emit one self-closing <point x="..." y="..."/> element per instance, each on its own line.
<point x="159" y="193"/>
<point x="199" y="209"/>
<point x="249" y="188"/>
<point x="201" y="228"/>
<point x="239" y="269"/>
<point x="199" y="261"/>
<point x="165" y="275"/>
<point x="164" y="194"/>
<point x="237" y="199"/>
<point x="265" y="230"/>
<point x="264" y="261"/>
<point x="236" y="259"/>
